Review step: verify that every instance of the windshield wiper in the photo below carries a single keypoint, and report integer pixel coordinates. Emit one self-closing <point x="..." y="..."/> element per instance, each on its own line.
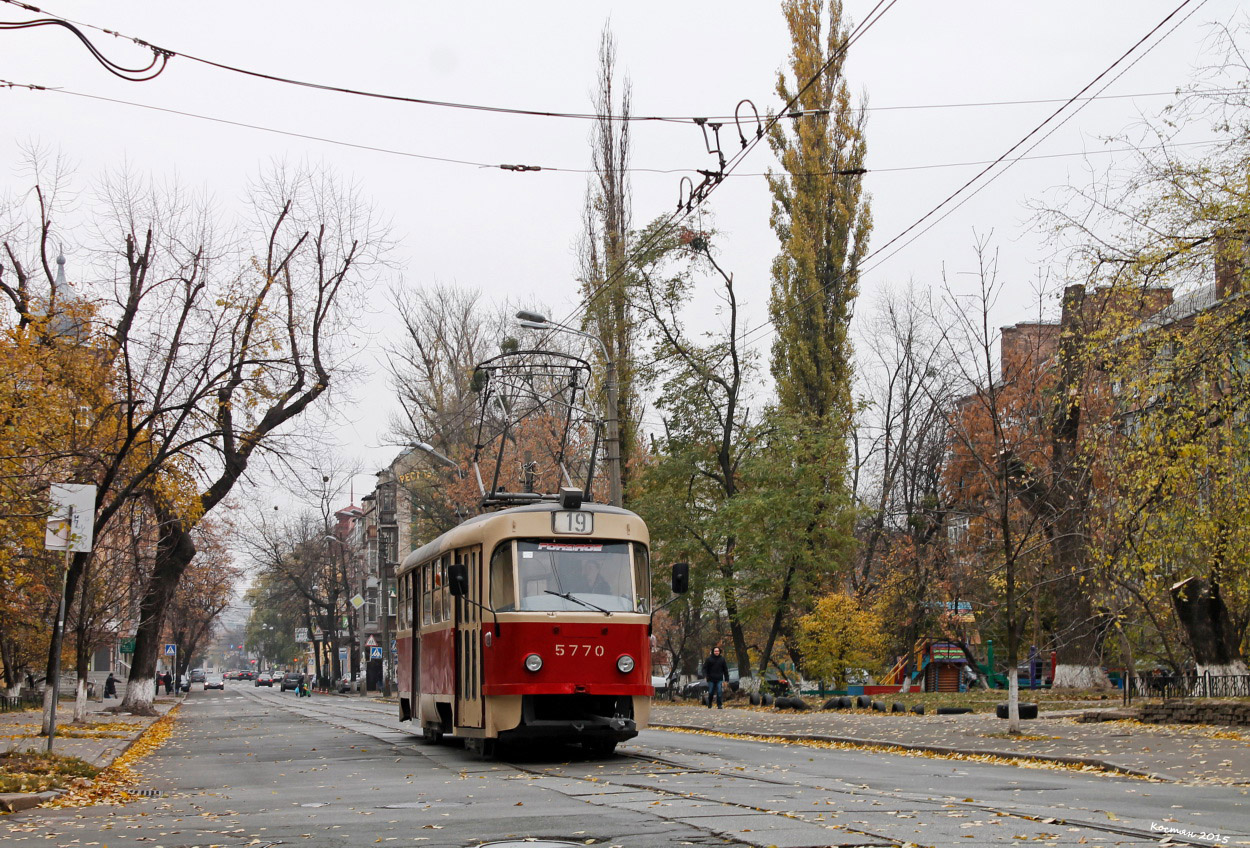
<point x="568" y="596"/>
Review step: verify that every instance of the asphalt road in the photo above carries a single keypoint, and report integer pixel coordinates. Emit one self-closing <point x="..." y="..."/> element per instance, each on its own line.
<point x="260" y="767"/>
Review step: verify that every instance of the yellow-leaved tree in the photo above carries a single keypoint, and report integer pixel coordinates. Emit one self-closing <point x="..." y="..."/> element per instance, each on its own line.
<point x="839" y="636"/>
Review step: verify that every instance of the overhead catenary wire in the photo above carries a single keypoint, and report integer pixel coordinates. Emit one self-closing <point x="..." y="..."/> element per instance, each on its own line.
<point x="161" y="56"/>
<point x="166" y="53"/>
<point x="391" y="151"/>
<point x="1006" y="157"/>
<point x="874" y="15"/>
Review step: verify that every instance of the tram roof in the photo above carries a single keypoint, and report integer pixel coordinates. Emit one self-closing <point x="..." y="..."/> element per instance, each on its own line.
<point x="440" y="542"/>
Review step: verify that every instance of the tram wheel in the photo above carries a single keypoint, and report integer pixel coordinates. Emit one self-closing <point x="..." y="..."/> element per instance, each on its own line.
<point x="484" y="748"/>
<point x="431" y="734"/>
<point x="600" y="747"/>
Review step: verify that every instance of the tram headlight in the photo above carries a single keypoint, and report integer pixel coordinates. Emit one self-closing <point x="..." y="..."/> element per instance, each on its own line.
<point x="533" y="662"/>
<point x="624" y="663"/>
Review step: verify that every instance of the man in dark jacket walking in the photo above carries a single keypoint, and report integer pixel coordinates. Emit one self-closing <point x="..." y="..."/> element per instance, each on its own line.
<point x="110" y="686"/>
<point x="715" y="672"/>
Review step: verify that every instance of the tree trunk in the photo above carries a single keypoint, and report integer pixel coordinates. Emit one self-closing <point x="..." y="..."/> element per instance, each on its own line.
<point x="174" y="551"/>
<point x="1203" y="614"/>
<point x="1013" y="700"/>
<point x="1081" y="628"/>
<point x="82" y="647"/>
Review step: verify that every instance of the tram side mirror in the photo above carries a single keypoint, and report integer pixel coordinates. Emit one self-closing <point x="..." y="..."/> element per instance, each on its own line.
<point x="458" y="579"/>
<point x="681" y="578"/>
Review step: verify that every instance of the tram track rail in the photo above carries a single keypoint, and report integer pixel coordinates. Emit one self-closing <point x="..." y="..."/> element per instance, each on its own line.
<point x="373" y="714"/>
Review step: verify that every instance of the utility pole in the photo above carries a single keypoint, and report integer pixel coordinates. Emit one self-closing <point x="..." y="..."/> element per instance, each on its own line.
<point x="613" y="440"/>
<point x="388" y="570"/>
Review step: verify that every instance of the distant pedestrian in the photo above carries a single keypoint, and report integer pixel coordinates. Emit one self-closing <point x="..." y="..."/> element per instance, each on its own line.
<point x="110" y="686"/>
<point x="715" y="672"/>
<point x="169" y="683"/>
<point x="302" y="687"/>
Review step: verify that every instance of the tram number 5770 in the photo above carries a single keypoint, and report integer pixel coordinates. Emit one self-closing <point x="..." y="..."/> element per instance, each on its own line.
<point x="584" y="650"/>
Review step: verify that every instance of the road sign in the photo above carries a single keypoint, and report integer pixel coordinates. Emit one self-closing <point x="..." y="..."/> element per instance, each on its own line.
<point x="80" y="500"/>
<point x="375" y="653"/>
<point x="392" y="646"/>
<point x="301" y="634"/>
<point x="358" y="601"/>
<point x="171" y="650"/>
<point x="319" y="635"/>
<point x="371" y="642"/>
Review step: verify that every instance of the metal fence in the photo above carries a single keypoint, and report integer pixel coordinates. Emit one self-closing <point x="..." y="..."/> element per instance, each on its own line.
<point x="25" y="701"/>
<point x="1192" y="686"/>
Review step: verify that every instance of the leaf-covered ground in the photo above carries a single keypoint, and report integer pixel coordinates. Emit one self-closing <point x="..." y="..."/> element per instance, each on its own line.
<point x="112" y="784"/>
<point x="27" y="771"/>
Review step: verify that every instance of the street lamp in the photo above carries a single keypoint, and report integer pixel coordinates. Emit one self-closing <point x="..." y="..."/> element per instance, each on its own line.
<point x="536" y="321"/>
<point x="426" y="447"/>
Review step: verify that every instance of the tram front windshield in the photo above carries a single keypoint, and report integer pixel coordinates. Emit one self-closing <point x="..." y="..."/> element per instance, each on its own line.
<point x="596" y="573"/>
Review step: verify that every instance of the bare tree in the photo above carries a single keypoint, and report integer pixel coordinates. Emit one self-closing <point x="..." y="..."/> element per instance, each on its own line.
<point x="900" y="447"/>
<point x="606" y="273"/>
<point x="218" y="339"/>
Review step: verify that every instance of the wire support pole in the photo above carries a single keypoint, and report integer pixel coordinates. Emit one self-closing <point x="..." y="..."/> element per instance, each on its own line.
<point x="58" y="635"/>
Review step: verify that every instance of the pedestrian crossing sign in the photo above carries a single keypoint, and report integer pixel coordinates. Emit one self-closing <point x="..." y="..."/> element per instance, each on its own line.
<point x="171" y="650"/>
<point x="375" y="653"/>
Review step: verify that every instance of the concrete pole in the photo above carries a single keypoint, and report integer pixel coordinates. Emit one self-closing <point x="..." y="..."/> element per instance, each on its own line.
<point x="613" y="442"/>
<point x="387" y="569"/>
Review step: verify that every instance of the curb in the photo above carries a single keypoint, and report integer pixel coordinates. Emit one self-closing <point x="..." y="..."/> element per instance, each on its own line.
<point x="945" y="750"/>
<point x="13" y="802"/>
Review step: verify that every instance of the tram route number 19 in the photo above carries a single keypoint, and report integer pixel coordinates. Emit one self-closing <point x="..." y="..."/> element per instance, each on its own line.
<point x="574" y="522"/>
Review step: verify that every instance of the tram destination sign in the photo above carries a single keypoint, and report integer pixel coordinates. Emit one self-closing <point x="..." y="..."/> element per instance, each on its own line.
<point x="573" y="523"/>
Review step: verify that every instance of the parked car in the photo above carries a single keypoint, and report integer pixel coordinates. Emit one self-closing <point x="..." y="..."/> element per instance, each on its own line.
<point x="263" y="679"/>
<point x="214" y="681"/>
<point x="291" y="680"/>
<point x="347" y="683"/>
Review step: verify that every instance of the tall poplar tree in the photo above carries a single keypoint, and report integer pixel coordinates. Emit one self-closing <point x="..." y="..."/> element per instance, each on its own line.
<point x="605" y="276"/>
<point x="821" y="217"/>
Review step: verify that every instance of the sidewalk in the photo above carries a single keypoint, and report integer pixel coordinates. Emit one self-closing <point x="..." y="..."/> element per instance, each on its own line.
<point x="102" y="740"/>
<point x="1179" y="753"/>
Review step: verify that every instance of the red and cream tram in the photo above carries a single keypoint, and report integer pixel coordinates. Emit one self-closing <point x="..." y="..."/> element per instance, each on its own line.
<point x="532" y="622"/>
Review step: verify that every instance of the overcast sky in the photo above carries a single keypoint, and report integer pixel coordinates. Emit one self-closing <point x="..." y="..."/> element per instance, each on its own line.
<point x="513" y="234"/>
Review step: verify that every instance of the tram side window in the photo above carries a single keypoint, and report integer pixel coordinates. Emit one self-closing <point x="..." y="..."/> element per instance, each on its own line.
<point x="403" y="602"/>
<point x="440" y="589"/>
<point x="642" y="577"/>
<point x="446" y="595"/>
<point x="425" y="594"/>
<point x="502" y="591"/>
<point x="436" y="585"/>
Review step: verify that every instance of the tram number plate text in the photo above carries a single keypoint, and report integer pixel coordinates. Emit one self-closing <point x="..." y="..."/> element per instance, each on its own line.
<point x="575" y="523"/>
<point x="574" y="650"/>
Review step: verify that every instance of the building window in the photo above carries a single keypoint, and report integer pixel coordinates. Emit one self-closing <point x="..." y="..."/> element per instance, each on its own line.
<point x="388" y="544"/>
<point x="371" y="606"/>
<point x="957" y="528"/>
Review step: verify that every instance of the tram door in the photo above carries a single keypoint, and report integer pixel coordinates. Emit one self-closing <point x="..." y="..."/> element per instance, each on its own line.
<point x="469" y="711"/>
<point x="412" y="601"/>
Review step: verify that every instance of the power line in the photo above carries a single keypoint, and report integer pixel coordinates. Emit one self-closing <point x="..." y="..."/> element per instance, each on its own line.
<point x="713" y="179"/>
<point x="160" y="58"/>
<point x="1005" y="157"/>
<point x="162" y="55"/>
<point x="390" y="151"/>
